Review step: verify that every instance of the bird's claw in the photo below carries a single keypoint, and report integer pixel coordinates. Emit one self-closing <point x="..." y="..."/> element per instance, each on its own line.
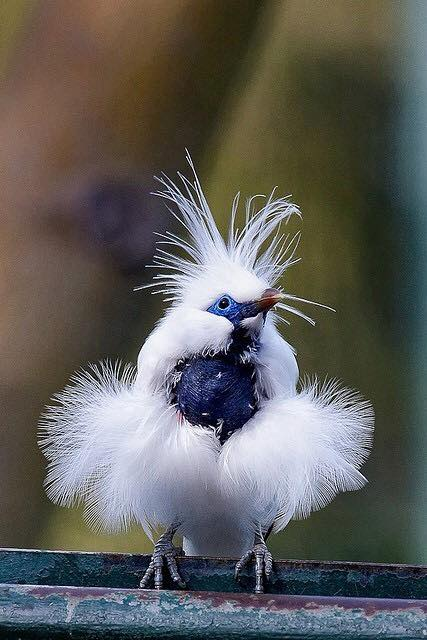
<point x="165" y="553"/>
<point x="263" y="565"/>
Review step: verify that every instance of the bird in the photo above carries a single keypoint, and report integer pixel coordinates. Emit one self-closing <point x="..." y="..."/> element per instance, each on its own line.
<point x="213" y="436"/>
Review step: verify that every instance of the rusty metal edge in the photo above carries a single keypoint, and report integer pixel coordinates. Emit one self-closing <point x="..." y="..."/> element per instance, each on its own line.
<point x="49" y="611"/>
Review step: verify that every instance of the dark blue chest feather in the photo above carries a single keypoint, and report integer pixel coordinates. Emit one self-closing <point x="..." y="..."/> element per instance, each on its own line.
<point x="216" y="392"/>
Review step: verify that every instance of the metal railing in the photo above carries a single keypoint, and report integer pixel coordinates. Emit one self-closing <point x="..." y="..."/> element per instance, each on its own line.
<point x="54" y="594"/>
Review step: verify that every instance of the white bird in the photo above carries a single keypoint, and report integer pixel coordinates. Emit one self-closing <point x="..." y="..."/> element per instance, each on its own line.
<point x="212" y="436"/>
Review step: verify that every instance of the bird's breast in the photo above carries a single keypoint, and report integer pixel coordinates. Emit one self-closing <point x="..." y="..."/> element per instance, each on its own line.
<point x="216" y="392"/>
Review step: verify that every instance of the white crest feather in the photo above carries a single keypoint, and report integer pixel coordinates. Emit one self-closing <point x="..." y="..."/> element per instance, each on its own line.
<point x="205" y="246"/>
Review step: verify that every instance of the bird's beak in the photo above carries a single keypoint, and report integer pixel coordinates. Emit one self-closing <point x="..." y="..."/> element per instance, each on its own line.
<point x="268" y="299"/>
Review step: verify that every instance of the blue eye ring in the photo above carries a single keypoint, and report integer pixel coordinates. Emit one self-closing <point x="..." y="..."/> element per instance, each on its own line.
<point x="225" y="306"/>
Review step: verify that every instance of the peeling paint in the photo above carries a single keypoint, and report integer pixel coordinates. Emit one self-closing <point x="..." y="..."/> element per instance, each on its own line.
<point x="84" y="600"/>
<point x="189" y="615"/>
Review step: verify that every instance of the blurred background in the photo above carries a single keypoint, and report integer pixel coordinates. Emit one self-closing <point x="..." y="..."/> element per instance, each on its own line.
<point x="327" y="100"/>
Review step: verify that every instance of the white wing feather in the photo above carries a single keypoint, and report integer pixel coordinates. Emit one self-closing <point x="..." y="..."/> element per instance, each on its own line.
<point x="298" y="452"/>
<point x="77" y="433"/>
<point x="124" y="453"/>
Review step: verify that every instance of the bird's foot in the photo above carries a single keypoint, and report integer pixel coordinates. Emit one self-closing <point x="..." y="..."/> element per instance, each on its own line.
<point x="263" y="564"/>
<point x="164" y="557"/>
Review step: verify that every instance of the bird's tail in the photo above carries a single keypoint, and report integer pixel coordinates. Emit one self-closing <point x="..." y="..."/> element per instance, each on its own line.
<point x="297" y="453"/>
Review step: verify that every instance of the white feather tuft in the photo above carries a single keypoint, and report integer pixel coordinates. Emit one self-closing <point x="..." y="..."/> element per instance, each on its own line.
<point x="298" y="452"/>
<point x="80" y="433"/>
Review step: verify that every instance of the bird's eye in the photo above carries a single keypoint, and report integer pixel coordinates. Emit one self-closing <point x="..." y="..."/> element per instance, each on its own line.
<point x="224" y="303"/>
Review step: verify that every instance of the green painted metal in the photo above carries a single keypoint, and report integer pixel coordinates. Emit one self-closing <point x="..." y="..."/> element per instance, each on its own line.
<point x="122" y="570"/>
<point x="53" y="612"/>
<point x="56" y="594"/>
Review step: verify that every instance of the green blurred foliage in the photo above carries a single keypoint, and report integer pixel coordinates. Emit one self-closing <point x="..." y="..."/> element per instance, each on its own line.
<point x="13" y="17"/>
<point x="67" y="530"/>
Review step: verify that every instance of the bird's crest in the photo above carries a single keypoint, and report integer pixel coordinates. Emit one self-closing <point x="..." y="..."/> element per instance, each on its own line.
<point x="260" y="247"/>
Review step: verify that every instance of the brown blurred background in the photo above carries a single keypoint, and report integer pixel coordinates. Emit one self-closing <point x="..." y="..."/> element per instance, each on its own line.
<point x="328" y="100"/>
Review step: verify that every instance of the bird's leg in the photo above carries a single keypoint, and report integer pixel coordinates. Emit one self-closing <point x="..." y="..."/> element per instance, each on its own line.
<point x="164" y="554"/>
<point x="263" y="562"/>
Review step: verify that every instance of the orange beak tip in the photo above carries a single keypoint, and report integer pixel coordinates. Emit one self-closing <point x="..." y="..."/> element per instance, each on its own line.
<point x="269" y="298"/>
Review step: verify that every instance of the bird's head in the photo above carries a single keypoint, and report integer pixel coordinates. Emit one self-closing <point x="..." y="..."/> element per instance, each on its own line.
<point x="232" y="281"/>
<point x="231" y="292"/>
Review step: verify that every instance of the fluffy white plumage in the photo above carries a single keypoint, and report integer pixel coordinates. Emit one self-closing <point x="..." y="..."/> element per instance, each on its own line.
<point x="115" y="442"/>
